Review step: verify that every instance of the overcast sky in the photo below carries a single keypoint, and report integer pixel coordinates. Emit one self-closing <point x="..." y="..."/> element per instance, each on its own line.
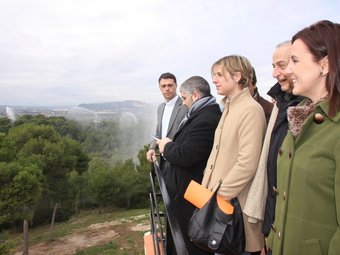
<point x="68" y="52"/>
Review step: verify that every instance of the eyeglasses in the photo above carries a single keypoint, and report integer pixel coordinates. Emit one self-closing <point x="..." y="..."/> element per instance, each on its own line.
<point x="185" y="97"/>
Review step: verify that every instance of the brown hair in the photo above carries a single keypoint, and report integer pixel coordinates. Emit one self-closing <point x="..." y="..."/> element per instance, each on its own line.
<point x="323" y="39"/>
<point x="233" y="64"/>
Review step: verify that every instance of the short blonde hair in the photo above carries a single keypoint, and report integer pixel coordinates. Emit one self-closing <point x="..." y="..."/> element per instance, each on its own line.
<point x="233" y="64"/>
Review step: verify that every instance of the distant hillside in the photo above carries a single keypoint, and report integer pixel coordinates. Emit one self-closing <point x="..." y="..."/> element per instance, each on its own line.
<point x="31" y="110"/>
<point x="136" y="107"/>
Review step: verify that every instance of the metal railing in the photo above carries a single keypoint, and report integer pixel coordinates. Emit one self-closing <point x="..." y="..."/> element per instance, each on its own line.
<point x="157" y="225"/>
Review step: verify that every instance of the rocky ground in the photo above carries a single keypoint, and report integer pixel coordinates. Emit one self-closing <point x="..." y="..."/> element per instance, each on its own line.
<point x="124" y="232"/>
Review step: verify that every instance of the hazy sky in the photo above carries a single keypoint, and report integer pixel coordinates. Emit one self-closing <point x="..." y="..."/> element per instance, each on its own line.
<point x="68" y="52"/>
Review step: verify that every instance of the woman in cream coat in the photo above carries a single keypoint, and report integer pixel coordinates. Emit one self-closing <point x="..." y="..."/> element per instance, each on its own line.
<point x="238" y="140"/>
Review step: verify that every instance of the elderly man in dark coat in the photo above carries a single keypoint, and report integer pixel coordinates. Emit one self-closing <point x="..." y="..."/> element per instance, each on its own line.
<point x="187" y="154"/>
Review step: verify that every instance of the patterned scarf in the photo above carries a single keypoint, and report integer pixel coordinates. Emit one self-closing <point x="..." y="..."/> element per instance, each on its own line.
<point x="297" y="114"/>
<point x="198" y="105"/>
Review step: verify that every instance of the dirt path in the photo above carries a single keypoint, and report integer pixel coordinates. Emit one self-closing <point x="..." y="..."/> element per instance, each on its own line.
<point x="95" y="234"/>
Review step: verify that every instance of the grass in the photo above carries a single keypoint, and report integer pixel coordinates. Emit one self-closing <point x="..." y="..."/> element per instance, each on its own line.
<point x="128" y="242"/>
<point x="106" y="249"/>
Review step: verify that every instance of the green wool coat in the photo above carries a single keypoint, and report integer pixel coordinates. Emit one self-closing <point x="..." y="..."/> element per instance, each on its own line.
<point x="307" y="215"/>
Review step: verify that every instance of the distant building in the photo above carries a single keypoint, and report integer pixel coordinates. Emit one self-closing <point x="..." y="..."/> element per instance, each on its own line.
<point x="59" y="112"/>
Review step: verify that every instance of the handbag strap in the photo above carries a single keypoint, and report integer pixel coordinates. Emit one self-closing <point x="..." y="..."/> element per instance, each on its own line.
<point x="218" y="185"/>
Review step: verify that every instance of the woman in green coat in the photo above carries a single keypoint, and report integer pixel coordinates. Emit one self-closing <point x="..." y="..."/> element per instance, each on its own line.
<point x="308" y="186"/>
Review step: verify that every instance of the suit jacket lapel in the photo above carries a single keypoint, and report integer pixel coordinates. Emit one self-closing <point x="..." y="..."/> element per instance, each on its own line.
<point x="174" y="114"/>
<point x="160" y="117"/>
<point x="160" y="112"/>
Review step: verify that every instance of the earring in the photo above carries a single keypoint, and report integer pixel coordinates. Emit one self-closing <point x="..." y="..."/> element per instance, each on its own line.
<point x="321" y="72"/>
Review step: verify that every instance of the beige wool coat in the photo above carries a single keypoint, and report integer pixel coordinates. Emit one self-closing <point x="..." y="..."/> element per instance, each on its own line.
<point x="235" y="156"/>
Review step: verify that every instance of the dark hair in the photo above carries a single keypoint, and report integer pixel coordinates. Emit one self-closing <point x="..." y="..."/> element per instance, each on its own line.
<point x="167" y="76"/>
<point x="323" y="39"/>
<point x="254" y="79"/>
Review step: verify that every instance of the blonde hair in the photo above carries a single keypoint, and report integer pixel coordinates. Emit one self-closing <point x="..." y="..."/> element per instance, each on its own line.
<point x="233" y="64"/>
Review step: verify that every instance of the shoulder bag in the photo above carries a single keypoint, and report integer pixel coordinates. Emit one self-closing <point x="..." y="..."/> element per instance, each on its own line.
<point x="213" y="230"/>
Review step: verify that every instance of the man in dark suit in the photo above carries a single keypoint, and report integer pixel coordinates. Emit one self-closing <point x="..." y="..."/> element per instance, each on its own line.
<point x="187" y="153"/>
<point x="281" y="92"/>
<point x="169" y="114"/>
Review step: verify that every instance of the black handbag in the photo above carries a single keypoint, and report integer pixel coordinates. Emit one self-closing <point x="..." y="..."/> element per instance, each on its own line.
<point x="212" y="230"/>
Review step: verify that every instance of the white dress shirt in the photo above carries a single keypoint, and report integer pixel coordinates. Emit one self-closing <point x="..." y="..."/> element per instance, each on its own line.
<point x="169" y="106"/>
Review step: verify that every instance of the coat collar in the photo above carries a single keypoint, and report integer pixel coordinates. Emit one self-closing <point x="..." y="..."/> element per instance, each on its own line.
<point x="227" y="102"/>
<point x="306" y="112"/>
<point x="324" y="107"/>
<point x="282" y="97"/>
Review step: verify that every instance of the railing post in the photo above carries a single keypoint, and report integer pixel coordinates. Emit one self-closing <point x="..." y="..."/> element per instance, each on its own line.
<point x="155" y="211"/>
<point x="173" y="224"/>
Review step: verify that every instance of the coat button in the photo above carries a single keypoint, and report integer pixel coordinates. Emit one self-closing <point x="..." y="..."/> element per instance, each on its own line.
<point x="280" y="152"/>
<point x="217" y="147"/>
<point x="211" y="166"/>
<point x="276" y="191"/>
<point x="279" y="235"/>
<point x="290" y="155"/>
<point x="318" y="118"/>
<point x="284" y="195"/>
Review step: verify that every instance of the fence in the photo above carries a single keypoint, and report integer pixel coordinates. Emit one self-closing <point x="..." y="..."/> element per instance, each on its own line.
<point x="156" y="240"/>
